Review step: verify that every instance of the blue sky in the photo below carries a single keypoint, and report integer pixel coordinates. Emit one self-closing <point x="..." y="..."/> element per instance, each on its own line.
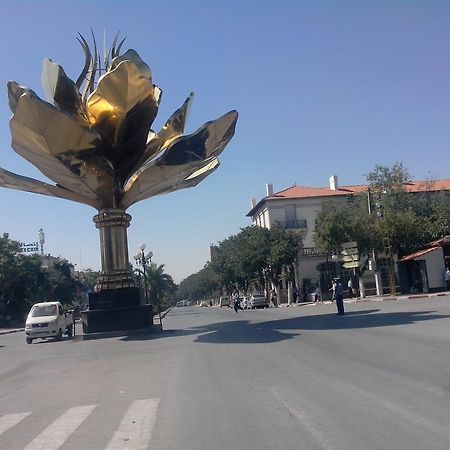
<point x="322" y="88"/>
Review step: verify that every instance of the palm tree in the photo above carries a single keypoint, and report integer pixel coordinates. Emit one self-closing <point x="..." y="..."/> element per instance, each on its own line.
<point x="161" y="286"/>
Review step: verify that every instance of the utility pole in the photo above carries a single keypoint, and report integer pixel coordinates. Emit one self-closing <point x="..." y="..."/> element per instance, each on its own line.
<point x="41" y="240"/>
<point x="391" y="275"/>
<point x="378" y="285"/>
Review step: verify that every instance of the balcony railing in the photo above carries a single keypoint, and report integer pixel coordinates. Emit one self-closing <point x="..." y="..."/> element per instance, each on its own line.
<point x="293" y="224"/>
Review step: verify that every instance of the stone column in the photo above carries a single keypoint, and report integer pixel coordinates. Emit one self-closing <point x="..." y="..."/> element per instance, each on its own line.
<point x="116" y="272"/>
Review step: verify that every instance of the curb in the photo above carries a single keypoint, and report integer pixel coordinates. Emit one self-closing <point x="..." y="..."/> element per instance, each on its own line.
<point x="375" y="299"/>
<point x="16" y="330"/>
<point x="111" y="334"/>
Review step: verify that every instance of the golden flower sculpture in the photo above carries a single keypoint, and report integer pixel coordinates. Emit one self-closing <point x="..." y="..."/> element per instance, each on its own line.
<point x="95" y="141"/>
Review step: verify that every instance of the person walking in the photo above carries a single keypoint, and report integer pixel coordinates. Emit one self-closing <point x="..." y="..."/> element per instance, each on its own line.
<point x="273" y="298"/>
<point x="333" y="290"/>
<point x="339" y="298"/>
<point x="317" y="294"/>
<point x="237" y="304"/>
<point x="350" y="288"/>
<point x="295" y="294"/>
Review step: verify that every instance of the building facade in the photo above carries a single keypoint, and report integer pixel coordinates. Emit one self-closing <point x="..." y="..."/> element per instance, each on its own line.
<point x="297" y="207"/>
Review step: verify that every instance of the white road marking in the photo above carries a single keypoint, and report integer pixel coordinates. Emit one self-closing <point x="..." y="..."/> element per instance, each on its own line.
<point x="8" y="421"/>
<point x="136" y="428"/>
<point x="57" y="433"/>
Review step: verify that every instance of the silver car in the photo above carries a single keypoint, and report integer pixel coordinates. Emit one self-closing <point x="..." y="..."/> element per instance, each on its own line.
<point x="259" y="301"/>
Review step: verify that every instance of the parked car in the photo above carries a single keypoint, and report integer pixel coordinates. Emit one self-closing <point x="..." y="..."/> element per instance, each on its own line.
<point x="224" y="301"/>
<point x="259" y="301"/>
<point x="46" y="320"/>
<point x="245" y="303"/>
<point x="182" y="303"/>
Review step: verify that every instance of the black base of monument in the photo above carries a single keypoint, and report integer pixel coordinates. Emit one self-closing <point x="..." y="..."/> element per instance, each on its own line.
<point x="116" y="310"/>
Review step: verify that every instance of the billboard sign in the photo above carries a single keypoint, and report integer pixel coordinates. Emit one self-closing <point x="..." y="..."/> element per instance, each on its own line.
<point x="29" y="248"/>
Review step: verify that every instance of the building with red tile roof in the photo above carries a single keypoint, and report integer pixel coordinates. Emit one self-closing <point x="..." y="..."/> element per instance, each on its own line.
<point x="297" y="207"/>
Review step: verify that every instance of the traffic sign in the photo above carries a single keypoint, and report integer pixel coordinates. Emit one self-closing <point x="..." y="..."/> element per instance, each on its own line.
<point x="349" y="251"/>
<point x="351" y="265"/>
<point x="350" y="258"/>
<point x="347" y="245"/>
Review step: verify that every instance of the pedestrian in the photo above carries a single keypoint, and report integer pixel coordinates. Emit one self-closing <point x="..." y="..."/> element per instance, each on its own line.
<point x="350" y="288"/>
<point x="237" y="304"/>
<point x="295" y="294"/>
<point x="447" y="278"/>
<point x="333" y="290"/>
<point x="317" y="296"/>
<point x="339" y="293"/>
<point x="273" y="298"/>
<point x="304" y="293"/>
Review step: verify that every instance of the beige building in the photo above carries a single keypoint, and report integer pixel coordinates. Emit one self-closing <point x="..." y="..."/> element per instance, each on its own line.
<point x="296" y="208"/>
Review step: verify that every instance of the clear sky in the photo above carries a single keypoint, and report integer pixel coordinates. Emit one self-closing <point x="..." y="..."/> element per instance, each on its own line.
<point x="322" y="88"/>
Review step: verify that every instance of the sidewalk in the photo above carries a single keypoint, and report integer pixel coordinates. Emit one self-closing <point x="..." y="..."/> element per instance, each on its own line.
<point x="10" y="330"/>
<point x="374" y="298"/>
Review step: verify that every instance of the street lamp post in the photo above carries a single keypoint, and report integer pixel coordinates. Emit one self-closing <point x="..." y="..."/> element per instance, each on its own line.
<point x="143" y="259"/>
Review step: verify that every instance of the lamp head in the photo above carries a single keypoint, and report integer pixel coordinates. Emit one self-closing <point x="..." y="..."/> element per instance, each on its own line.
<point x="142" y="246"/>
<point x="149" y="255"/>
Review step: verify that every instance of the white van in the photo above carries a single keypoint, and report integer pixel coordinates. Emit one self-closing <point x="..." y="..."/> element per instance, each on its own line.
<point x="48" y="319"/>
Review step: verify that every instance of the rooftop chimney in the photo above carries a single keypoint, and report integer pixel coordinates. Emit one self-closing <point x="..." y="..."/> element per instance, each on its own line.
<point x="253" y="202"/>
<point x="334" y="183"/>
<point x="269" y="189"/>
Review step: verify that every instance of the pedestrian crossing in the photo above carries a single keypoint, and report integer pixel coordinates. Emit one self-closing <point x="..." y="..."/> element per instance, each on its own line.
<point x="133" y="433"/>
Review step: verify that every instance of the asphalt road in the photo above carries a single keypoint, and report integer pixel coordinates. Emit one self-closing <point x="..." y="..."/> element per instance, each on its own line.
<point x="287" y="378"/>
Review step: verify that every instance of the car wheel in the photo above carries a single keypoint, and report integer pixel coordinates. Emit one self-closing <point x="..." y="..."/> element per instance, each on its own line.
<point x="29" y="341"/>
<point x="59" y="335"/>
<point x="70" y="331"/>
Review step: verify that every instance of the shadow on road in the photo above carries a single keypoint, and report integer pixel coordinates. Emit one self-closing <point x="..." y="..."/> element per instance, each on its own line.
<point x="247" y="332"/>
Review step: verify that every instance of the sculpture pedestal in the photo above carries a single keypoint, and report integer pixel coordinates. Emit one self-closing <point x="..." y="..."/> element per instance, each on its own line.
<point x="116" y="310"/>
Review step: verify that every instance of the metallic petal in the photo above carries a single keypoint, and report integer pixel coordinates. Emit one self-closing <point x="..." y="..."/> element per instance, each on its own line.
<point x="119" y="92"/>
<point x="209" y="140"/>
<point x="87" y="61"/>
<point x="162" y="180"/>
<point x="157" y="93"/>
<point x="60" y="88"/>
<point x="15" y="91"/>
<point x="173" y="128"/>
<point x="14" y="181"/>
<point x="61" y="149"/>
<point x="133" y="56"/>
<point x="202" y="173"/>
<point x="122" y="109"/>
<point x="190" y="151"/>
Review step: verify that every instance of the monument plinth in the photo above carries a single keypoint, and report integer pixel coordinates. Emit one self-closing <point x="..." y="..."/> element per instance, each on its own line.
<point x="94" y="141"/>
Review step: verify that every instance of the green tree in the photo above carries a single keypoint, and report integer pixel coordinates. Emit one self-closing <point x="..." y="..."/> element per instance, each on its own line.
<point x="201" y="285"/>
<point x="161" y="287"/>
<point x="61" y="284"/>
<point x="405" y="220"/>
<point x="22" y="279"/>
<point x="255" y="257"/>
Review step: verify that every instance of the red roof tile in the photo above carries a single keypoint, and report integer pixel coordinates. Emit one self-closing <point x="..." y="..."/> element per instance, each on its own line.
<point x="305" y="191"/>
<point x="297" y="192"/>
<point x="418" y="254"/>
